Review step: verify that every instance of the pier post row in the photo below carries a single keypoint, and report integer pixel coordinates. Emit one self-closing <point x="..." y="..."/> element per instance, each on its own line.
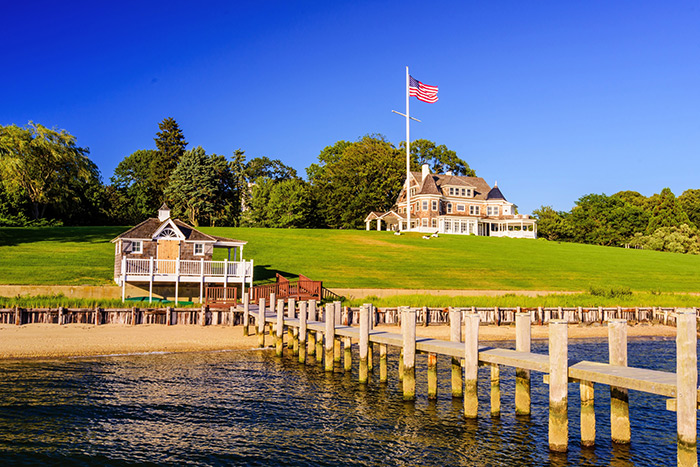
<point x="308" y="331"/>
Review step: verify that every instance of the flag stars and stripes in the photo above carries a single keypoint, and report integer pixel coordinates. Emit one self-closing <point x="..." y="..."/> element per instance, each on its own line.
<point x="423" y="92"/>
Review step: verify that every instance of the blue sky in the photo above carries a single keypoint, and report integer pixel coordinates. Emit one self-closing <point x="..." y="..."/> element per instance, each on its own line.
<point x="552" y="99"/>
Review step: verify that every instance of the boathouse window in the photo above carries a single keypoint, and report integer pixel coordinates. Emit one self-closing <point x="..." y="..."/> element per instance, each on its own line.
<point x="199" y="249"/>
<point x="137" y="247"/>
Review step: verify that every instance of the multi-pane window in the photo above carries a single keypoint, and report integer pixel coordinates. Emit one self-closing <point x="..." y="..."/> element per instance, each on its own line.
<point x="425" y="205"/>
<point x="492" y="210"/>
<point x="433" y="223"/>
<point x="199" y="248"/>
<point x="435" y="205"/>
<point x="460" y="208"/>
<point x="424" y="222"/>
<point x="137" y="247"/>
<point x="449" y="208"/>
<point x="474" y="210"/>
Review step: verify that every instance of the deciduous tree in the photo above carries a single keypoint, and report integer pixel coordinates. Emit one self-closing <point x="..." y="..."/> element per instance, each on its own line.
<point x="42" y="164"/>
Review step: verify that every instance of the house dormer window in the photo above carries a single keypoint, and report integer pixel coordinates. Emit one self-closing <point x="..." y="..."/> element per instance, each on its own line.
<point x="199" y="249"/>
<point x="137" y="247"/>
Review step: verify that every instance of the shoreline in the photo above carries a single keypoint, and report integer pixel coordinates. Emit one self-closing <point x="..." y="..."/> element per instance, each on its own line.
<point x="50" y="341"/>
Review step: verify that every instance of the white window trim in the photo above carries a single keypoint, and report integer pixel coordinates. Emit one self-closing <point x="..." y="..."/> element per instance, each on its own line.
<point x="194" y="249"/>
<point x="134" y="245"/>
<point x="460" y="208"/>
<point x="434" y="205"/>
<point x="449" y="208"/>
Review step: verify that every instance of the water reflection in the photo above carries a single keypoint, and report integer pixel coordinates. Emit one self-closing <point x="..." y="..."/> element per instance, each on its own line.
<point x="252" y="408"/>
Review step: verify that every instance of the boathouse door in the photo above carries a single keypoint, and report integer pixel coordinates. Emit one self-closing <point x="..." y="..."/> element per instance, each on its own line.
<point x="168" y="250"/>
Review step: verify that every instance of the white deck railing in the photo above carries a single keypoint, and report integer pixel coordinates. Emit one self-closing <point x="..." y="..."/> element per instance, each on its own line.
<point x="174" y="267"/>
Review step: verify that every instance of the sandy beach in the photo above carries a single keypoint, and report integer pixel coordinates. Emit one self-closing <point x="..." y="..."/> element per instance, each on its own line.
<point x="51" y="340"/>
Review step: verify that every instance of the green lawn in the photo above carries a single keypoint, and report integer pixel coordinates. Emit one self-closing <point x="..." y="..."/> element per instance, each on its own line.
<point x="83" y="255"/>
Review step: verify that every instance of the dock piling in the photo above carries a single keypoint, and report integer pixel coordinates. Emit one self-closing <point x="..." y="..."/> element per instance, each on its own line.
<point x="383" y="366"/>
<point x="261" y="323"/>
<point x="347" y="354"/>
<point x="523" y="323"/>
<point x="619" y="397"/>
<point x="558" y="385"/>
<point x="495" y="390"/>
<point x="279" y="328"/>
<point x="246" y="315"/>
<point x="330" y="336"/>
<point x="312" y="334"/>
<point x="408" y="331"/>
<point x="302" y="332"/>
<point x="432" y="376"/>
<point x="456" y="336"/>
<point x="687" y="383"/>
<point x="364" y="341"/>
<point x="471" y="365"/>
<point x="587" y="413"/>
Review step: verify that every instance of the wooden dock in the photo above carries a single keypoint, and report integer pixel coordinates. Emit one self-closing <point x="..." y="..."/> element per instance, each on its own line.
<point x="317" y="331"/>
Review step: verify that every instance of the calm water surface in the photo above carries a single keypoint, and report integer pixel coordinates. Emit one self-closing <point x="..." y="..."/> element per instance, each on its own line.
<point x="250" y="408"/>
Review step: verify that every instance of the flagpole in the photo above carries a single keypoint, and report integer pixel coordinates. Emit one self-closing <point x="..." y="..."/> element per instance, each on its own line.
<point x="408" y="158"/>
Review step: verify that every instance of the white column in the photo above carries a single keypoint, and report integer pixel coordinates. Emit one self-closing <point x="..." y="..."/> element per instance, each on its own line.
<point x="379" y="224"/>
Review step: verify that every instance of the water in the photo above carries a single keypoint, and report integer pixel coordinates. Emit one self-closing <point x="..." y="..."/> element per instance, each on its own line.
<point x="250" y="408"/>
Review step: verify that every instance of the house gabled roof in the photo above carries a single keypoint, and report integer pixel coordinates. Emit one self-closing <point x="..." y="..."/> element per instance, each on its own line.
<point x="434" y="183"/>
<point x="151" y="226"/>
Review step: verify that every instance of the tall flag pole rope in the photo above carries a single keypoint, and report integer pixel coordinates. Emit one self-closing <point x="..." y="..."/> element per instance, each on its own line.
<point x="424" y="93"/>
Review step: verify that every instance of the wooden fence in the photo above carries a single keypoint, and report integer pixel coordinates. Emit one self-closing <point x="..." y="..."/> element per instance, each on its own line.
<point x="125" y="316"/>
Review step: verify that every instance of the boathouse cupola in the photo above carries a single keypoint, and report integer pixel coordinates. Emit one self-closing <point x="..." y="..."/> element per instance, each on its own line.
<point x="164" y="213"/>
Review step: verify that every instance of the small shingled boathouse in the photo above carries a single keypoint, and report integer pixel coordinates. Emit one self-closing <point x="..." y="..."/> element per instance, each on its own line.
<point x="177" y="260"/>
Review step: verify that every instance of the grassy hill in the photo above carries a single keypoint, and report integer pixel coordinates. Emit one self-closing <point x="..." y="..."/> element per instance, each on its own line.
<point x="83" y="255"/>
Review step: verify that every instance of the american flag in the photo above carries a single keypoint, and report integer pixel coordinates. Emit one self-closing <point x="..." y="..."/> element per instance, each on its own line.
<point x="422" y="91"/>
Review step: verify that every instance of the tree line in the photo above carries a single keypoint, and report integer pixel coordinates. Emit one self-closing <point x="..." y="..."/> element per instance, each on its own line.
<point x="661" y="222"/>
<point x="47" y="179"/>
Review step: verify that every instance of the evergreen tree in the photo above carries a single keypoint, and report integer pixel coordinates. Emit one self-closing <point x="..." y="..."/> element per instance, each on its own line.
<point x="171" y="145"/>
<point x="195" y="189"/>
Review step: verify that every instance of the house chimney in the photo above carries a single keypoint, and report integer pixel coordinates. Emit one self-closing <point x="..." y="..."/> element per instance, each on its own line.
<point x="426" y="171"/>
<point x="163" y="213"/>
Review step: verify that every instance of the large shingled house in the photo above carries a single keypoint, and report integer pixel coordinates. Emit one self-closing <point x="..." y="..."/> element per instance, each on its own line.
<point x="450" y="204"/>
<point x="177" y="260"/>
